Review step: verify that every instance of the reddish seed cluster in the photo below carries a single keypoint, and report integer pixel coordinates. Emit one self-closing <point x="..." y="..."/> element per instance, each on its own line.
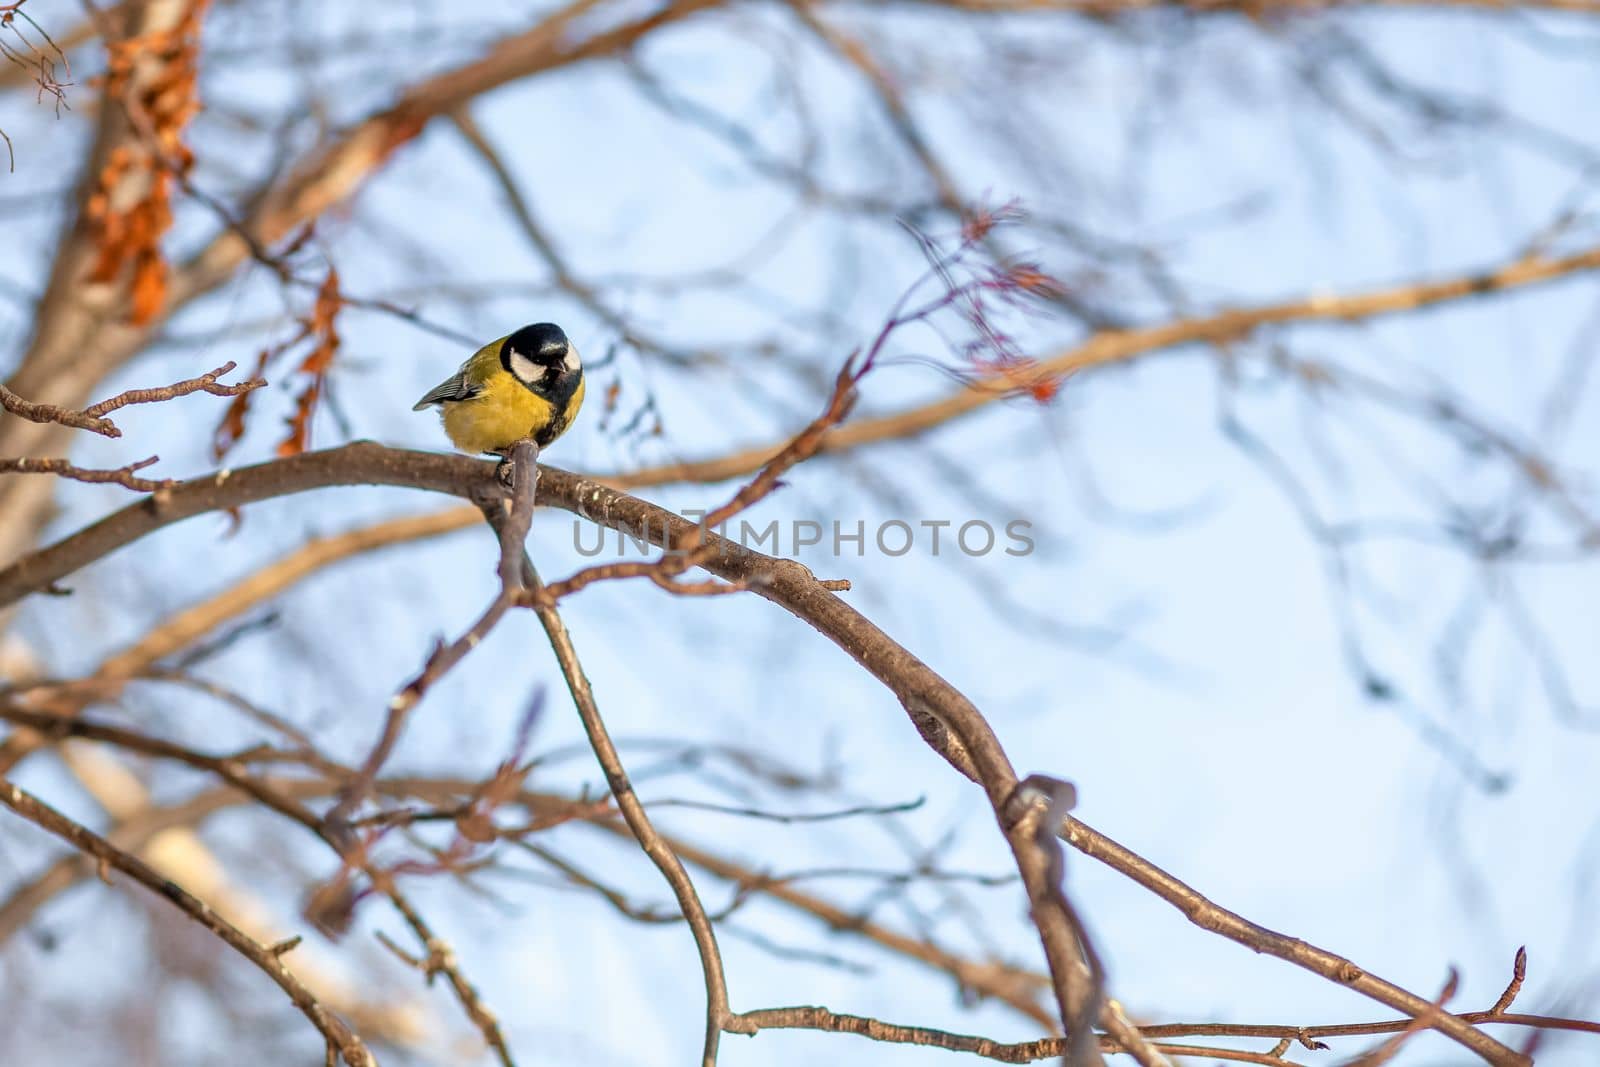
<point x="993" y="353"/>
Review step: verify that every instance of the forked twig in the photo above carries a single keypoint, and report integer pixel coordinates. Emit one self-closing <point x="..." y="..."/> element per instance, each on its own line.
<point x="93" y="418"/>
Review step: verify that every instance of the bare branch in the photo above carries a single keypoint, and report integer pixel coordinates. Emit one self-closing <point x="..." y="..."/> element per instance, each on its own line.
<point x="718" y="1014"/>
<point x="92" y="418"/>
<point x="1118" y="346"/>
<point x="512" y="516"/>
<point x="279" y="798"/>
<point x="206" y="383"/>
<point x="1218" y="920"/>
<point x="338" y="1035"/>
<point x="125" y="476"/>
<point x="440" y="958"/>
<point x="815" y="1018"/>
<point x="1390" y="1048"/>
<point x="189" y="625"/>
<point x="947" y="720"/>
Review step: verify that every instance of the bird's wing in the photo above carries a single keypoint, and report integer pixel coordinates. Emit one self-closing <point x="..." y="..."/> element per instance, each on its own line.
<point x="452" y="389"/>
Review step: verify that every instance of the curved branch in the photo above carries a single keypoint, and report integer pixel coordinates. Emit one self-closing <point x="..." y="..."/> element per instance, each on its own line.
<point x="1102" y="349"/>
<point x="654" y="844"/>
<point x="190" y="624"/>
<point x="945" y="716"/>
<point x="947" y="720"/>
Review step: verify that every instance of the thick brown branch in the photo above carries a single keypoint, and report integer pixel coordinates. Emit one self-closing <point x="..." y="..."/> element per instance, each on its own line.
<point x="947" y="720"/>
<point x="1103" y="349"/>
<point x="360" y="463"/>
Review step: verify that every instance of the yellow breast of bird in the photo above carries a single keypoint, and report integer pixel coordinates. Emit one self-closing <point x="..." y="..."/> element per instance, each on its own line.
<point x="503" y="413"/>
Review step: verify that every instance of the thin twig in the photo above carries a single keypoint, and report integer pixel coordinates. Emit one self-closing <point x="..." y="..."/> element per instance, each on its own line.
<point x="522" y="463"/>
<point x="1519" y="973"/>
<point x="440" y="958"/>
<point x="654" y="845"/>
<point x="816" y="1018"/>
<point x="1391" y="1047"/>
<point x="125" y="476"/>
<point x="93" y="419"/>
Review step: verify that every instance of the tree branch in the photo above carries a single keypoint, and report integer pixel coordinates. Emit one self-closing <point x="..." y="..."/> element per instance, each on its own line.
<point x="512" y="516"/>
<point x="816" y="1018"/>
<point x="639" y="825"/>
<point x="946" y="718"/>
<point x="335" y="1032"/>
<point x="92" y="418"/>
<point x="127" y="476"/>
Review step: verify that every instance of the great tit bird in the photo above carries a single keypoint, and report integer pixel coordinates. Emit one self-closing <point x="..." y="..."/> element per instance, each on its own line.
<point x="526" y="384"/>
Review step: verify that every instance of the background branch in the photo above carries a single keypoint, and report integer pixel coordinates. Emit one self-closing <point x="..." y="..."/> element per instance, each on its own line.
<point x="338" y="1035"/>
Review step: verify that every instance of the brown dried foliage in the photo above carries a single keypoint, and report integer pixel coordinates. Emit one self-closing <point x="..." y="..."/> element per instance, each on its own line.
<point x="320" y="327"/>
<point x="156" y="78"/>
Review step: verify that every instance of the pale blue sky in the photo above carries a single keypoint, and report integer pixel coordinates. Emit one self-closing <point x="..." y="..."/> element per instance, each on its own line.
<point x="1248" y="764"/>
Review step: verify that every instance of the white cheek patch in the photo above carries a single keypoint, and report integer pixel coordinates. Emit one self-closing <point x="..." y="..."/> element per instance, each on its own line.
<point x="570" y="361"/>
<point x="524" y="368"/>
